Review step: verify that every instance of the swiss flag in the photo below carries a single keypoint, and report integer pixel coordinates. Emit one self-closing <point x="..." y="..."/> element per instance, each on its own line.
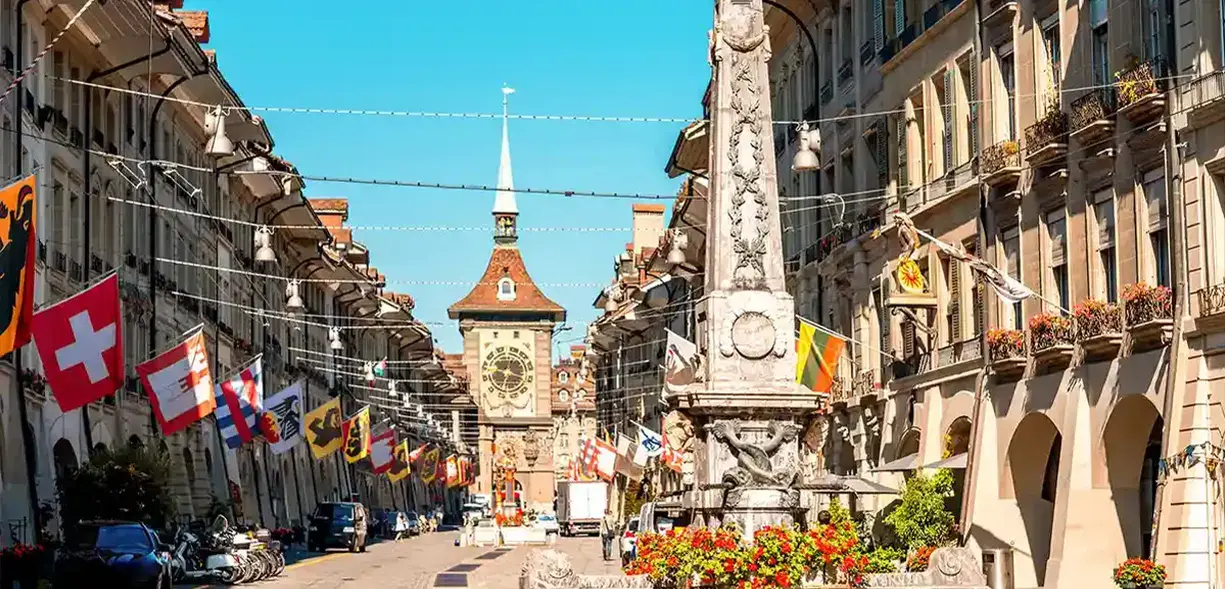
<point x="80" y="342"/>
<point x="179" y="384"/>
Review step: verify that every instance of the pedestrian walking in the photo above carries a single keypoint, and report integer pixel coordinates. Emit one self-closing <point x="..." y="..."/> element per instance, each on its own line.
<point x="608" y="529"/>
<point x="401" y="525"/>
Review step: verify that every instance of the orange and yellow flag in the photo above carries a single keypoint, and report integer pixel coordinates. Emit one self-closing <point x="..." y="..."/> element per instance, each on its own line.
<point x="17" y="261"/>
<point x="399" y="463"/>
<point x="357" y="436"/>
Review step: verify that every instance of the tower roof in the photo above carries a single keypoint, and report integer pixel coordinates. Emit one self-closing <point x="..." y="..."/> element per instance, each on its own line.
<point x="504" y="203"/>
<point x="506" y="262"/>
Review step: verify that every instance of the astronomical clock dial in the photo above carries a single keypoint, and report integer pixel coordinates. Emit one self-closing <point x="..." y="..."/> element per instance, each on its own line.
<point x="507" y="373"/>
<point x="563" y="396"/>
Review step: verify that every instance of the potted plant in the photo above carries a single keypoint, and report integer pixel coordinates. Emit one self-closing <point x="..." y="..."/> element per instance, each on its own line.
<point x="1139" y="573"/>
<point x="1099" y="327"/>
<point x="1051" y="338"/>
<point x="921" y="558"/>
<point x="1149" y="312"/>
<point x="1006" y="350"/>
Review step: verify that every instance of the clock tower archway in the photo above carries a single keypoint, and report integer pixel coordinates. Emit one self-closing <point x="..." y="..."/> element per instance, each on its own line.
<point x="507" y="325"/>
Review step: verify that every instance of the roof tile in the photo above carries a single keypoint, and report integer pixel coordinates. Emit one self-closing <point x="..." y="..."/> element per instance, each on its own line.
<point x="505" y="262"/>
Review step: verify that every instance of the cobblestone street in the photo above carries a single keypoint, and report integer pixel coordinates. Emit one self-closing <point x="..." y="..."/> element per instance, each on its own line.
<point x="425" y="562"/>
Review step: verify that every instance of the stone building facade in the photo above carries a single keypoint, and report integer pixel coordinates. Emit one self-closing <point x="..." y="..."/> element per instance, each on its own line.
<point x="190" y="262"/>
<point x="574" y="409"/>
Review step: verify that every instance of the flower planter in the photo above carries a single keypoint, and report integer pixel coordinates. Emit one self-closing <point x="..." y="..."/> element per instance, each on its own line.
<point x="1056" y="356"/>
<point x="1150" y="335"/>
<point x="1102" y="346"/>
<point x="1009" y="369"/>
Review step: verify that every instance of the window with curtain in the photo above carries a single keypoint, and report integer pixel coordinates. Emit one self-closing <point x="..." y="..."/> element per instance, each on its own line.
<point x="1057" y="255"/>
<point x="1008" y="80"/>
<point x="1157" y="216"/>
<point x="1011" y="240"/>
<point x="1052" y="47"/>
<point x="1098" y="13"/>
<point x="1107" y="265"/>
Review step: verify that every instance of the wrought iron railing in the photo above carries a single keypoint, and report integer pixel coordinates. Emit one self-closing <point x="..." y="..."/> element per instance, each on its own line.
<point x="1002" y="155"/>
<point x="1140" y="81"/>
<point x="1096" y="105"/>
<point x="1049" y="130"/>
<point x="1207" y="88"/>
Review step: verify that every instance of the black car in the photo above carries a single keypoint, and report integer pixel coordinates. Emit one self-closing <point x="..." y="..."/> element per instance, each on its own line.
<point x="112" y="554"/>
<point x="338" y="525"/>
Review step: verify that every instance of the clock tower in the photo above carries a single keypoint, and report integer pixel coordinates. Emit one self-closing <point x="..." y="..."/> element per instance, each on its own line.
<point x="507" y="325"/>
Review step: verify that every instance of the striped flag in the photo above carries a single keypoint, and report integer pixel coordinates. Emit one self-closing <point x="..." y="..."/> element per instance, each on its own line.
<point x="817" y="354"/>
<point x="240" y="400"/>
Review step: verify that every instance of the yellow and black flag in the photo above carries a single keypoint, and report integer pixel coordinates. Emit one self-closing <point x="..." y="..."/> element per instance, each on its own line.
<point x="324" y="433"/>
<point x="357" y="436"/>
<point x="399" y="463"/>
<point x="18" y="248"/>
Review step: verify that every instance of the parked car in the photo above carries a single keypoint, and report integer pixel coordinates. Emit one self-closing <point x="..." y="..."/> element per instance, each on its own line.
<point x="338" y="525"/>
<point x="629" y="546"/>
<point x="548" y="521"/>
<point x="112" y="554"/>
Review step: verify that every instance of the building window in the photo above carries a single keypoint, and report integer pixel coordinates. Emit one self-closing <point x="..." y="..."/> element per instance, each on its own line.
<point x="1008" y="80"/>
<point x="1107" y="266"/>
<point x="506" y="290"/>
<point x="1158" y="270"/>
<point x="1051" y="45"/>
<point x="1011" y="240"/>
<point x="1057" y="255"/>
<point x="563" y="377"/>
<point x="1100" y="44"/>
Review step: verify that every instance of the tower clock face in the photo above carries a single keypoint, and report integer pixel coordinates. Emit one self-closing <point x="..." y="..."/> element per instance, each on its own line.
<point x="507" y="371"/>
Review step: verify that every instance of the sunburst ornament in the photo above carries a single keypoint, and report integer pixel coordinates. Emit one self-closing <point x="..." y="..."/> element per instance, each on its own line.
<point x="910" y="277"/>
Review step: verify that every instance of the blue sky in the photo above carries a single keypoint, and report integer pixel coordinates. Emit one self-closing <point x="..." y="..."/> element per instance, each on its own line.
<point x="630" y="58"/>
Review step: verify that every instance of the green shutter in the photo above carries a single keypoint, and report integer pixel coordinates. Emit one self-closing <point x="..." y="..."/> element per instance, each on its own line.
<point x="878" y="23"/>
<point x="973" y="99"/>
<point x="899" y="17"/>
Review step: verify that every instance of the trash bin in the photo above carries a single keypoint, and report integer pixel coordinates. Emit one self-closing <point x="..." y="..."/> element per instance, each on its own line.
<point x="997" y="567"/>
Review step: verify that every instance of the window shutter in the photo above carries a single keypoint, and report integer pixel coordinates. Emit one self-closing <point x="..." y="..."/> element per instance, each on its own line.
<point x="878" y="23"/>
<point x="972" y="100"/>
<point x="903" y="175"/>
<point x="907" y="339"/>
<point x="947" y="109"/>
<point x="1154" y="194"/>
<point x="886" y="322"/>
<point x="899" y="17"/>
<point x="955" y="299"/>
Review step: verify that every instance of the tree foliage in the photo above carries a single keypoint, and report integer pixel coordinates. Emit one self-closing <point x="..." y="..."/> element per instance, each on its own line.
<point x="124" y="484"/>
<point x="921" y="520"/>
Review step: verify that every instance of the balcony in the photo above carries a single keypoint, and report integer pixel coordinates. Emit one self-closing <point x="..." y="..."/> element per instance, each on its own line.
<point x="963" y="351"/>
<point x="1092" y="119"/>
<point x="1205" y="97"/>
<point x="1000" y="13"/>
<point x="1141" y="90"/>
<point x="1149" y="312"/>
<point x="1099" y="329"/>
<point x="1052" y="341"/>
<point x="1006" y="353"/>
<point x="867" y="53"/>
<point x="845" y="71"/>
<point x="1047" y="139"/>
<point x="1001" y="163"/>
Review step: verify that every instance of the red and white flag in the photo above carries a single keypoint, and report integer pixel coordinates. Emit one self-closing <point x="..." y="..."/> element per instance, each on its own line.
<point x="601" y="458"/>
<point x="671" y="458"/>
<point x="80" y="342"/>
<point x="179" y="384"/>
<point x="383" y="451"/>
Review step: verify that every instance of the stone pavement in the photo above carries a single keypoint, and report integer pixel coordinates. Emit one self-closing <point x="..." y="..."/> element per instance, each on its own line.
<point x="426" y="562"/>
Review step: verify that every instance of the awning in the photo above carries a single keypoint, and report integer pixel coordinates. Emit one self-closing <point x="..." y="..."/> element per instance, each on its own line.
<point x="903" y="464"/>
<point x="836" y="485"/>
<point x="953" y="462"/>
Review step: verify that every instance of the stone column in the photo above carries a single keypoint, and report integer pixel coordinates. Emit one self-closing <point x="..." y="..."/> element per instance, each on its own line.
<point x="747" y="410"/>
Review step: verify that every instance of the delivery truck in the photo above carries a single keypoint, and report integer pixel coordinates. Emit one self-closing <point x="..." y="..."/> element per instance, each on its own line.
<point x="580" y="506"/>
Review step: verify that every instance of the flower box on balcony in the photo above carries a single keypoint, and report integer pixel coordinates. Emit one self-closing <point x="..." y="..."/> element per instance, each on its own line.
<point x="1149" y="312"/>
<point x="1099" y="329"/>
<point x="1051" y="340"/>
<point x="1006" y="350"/>
<point x="1141" y="90"/>
<point x="1001" y="163"/>
<point x="1047" y="139"/>
<point x="1093" y="116"/>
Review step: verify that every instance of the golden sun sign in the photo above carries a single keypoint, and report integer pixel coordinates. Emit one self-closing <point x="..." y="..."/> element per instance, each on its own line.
<point x="910" y="277"/>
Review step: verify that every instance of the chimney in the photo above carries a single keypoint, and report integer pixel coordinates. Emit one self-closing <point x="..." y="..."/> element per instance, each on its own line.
<point x="196" y="21"/>
<point x="648" y="226"/>
<point x="333" y="212"/>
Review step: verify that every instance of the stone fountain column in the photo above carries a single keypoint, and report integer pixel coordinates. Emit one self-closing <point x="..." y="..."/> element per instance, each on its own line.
<point x="748" y="410"/>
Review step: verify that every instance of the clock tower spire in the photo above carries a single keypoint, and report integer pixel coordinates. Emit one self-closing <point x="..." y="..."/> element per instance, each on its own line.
<point x="505" y="210"/>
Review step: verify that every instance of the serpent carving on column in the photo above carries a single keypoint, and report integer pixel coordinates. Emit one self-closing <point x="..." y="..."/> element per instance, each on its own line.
<point x="753" y="460"/>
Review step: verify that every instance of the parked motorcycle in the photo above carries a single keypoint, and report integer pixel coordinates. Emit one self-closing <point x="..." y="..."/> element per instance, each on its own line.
<point x="226" y="554"/>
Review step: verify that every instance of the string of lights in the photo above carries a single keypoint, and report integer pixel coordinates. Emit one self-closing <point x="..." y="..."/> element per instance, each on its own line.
<point x="531" y="117"/>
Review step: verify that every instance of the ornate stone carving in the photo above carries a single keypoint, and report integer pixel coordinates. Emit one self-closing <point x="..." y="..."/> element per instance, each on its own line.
<point x="551" y="569"/>
<point x="753" y="461"/>
<point x="750" y="249"/>
<point x="765" y="329"/>
<point x="531" y="447"/>
<point x="949" y="567"/>
<point x="510" y="451"/>
<point x="815" y="438"/>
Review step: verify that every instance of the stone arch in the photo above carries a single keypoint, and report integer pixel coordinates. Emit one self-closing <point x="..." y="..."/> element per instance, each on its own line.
<point x="908" y="444"/>
<point x="134" y="441"/>
<point x="1131" y="449"/>
<point x="1030" y="479"/>
<point x="957" y="437"/>
<point x="100" y="449"/>
<point x="65" y="457"/>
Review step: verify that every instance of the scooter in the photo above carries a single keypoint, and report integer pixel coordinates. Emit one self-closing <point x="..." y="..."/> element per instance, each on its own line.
<point x="192" y="560"/>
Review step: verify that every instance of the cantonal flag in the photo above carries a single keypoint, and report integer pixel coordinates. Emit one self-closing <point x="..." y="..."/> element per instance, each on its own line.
<point x="817" y="353"/>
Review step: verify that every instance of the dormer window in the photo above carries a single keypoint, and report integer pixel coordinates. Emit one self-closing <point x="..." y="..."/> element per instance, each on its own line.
<point x="563" y="377"/>
<point x="506" y="290"/>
